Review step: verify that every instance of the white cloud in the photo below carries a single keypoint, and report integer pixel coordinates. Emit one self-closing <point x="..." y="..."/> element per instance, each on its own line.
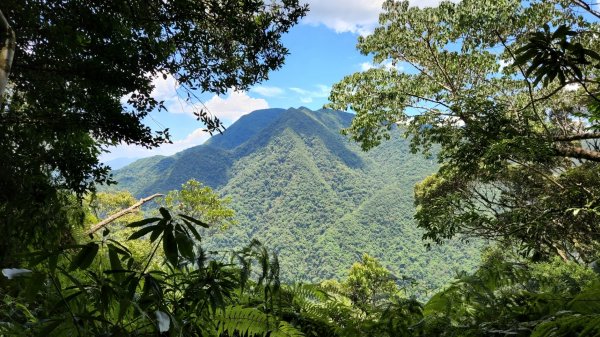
<point x="268" y="91"/>
<point x="197" y="137"/>
<point x="165" y="88"/>
<point x="307" y="96"/>
<point x="228" y="108"/>
<point x="356" y="16"/>
<point x="366" y="66"/>
<point x="234" y="106"/>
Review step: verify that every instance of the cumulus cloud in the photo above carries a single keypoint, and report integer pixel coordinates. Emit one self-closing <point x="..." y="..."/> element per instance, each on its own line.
<point x="307" y="96"/>
<point x="268" y="91"/>
<point x="229" y="107"/>
<point x="196" y="137"/>
<point x="234" y="106"/>
<point x="356" y="16"/>
<point x="166" y="90"/>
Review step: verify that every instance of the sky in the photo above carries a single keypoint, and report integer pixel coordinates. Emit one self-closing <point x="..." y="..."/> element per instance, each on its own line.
<point x="322" y="51"/>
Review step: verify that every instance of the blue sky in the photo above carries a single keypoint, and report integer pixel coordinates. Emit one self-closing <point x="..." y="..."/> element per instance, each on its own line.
<point x="322" y="51"/>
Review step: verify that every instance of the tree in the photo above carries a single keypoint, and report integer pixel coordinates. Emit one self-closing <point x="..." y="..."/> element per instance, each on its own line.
<point x="76" y="61"/>
<point x="102" y="287"/>
<point x="518" y="145"/>
<point x="202" y="203"/>
<point x="369" y="284"/>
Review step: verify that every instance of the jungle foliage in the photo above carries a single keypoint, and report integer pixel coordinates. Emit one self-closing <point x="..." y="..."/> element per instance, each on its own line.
<point x="516" y="141"/>
<point x="508" y="91"/>
<point x="74" y="64"/>
<point x="98" y="287"/>
<point x="312" y="195"/>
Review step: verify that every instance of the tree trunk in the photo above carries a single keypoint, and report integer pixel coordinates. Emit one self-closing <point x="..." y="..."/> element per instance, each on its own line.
<point x="6" y="54"/>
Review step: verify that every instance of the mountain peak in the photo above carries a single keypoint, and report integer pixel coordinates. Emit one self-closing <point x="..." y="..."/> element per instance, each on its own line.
<point x="297" y="184"/>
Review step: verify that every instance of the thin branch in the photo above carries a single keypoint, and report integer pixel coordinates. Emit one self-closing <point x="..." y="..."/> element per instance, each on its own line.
<point x="121" y="213"/>
<point x="587" y="7"/>
<point x="439" y="66"/>
<point x="552" y="180"/>
<point x="400" y="56"/>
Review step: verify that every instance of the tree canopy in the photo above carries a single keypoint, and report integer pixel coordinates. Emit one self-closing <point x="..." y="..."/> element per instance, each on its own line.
<point x="82" y="74"/>
<point x="505" y="93"/>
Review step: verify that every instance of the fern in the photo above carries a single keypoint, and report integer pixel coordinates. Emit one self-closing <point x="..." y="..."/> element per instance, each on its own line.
<point x="252" y="322"/>
<point x="569" y="325"/>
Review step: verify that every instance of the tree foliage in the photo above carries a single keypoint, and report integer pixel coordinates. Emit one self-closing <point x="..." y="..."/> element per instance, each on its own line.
<point x="200" y="202"/>
<point x="506" y="89"/>
<point x="76" y="63"/>
<point x="99" y="287"/>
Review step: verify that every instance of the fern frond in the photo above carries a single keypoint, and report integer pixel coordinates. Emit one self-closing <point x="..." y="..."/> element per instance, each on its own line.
<point x="252" y="322"/>
<point x="569" y="325"/>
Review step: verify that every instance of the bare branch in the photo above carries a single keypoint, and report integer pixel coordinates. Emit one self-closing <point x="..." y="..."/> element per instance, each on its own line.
<point x="121" y="213"/>
<point x="587" y="7"/>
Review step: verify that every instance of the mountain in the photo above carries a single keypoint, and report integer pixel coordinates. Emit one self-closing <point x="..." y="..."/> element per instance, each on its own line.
<point x="120" y="162"/>
<point x="311" y="195"/>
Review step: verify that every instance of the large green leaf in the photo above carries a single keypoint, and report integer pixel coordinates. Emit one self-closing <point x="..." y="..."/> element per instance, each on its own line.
<point x="85" y="257"/>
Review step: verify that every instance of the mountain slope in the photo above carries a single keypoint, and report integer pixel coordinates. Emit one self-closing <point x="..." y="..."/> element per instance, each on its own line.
<point x="307" y="192"/>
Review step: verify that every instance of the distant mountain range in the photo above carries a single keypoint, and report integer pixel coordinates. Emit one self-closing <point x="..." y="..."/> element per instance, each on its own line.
<point x="120" y="162"/>
<point x="312" y="195"/>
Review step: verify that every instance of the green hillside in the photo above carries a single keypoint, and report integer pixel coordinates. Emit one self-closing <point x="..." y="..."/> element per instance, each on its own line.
<point x="314" y="196"/>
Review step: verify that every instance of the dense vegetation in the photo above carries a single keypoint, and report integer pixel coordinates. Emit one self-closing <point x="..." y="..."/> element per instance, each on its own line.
<point x="509" y="92"/>
<point x="505" y="92"/>
<point x="315" y="197"/>
<point x="76" y="60"/>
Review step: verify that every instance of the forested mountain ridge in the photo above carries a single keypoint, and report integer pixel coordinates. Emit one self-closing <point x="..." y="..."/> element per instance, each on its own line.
<point x="314" y="196"/>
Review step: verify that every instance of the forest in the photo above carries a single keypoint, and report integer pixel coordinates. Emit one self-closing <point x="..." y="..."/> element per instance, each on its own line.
<point x="502" y="95"/>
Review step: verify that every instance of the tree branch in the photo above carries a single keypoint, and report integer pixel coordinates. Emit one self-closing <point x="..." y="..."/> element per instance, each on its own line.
<point x="577" y="136"/>
<point x="121" y="213"/>
<point x="587" y="7"/>
<point x="577" y="153"/>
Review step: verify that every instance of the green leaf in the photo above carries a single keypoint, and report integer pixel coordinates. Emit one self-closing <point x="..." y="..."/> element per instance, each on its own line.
<point x="170" y="246"/>
<point x="143" y="222"/>
<point x="560" y="32"/>
<point x="162" y="223"/>
<point x="115" y="263"/>
<point x="193" y="230"/>
<point x="144" y="231"/>
<point x="85" y="257"/>
<point x="197" y="222"/>
<point x="165" y="213"/>
<point x="185" y="244"/>
<point x="116" y="245"/>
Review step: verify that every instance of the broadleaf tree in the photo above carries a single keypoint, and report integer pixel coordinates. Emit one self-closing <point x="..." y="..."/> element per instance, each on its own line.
<point x="504" y="92"/>
<point x="77" y="62"/>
